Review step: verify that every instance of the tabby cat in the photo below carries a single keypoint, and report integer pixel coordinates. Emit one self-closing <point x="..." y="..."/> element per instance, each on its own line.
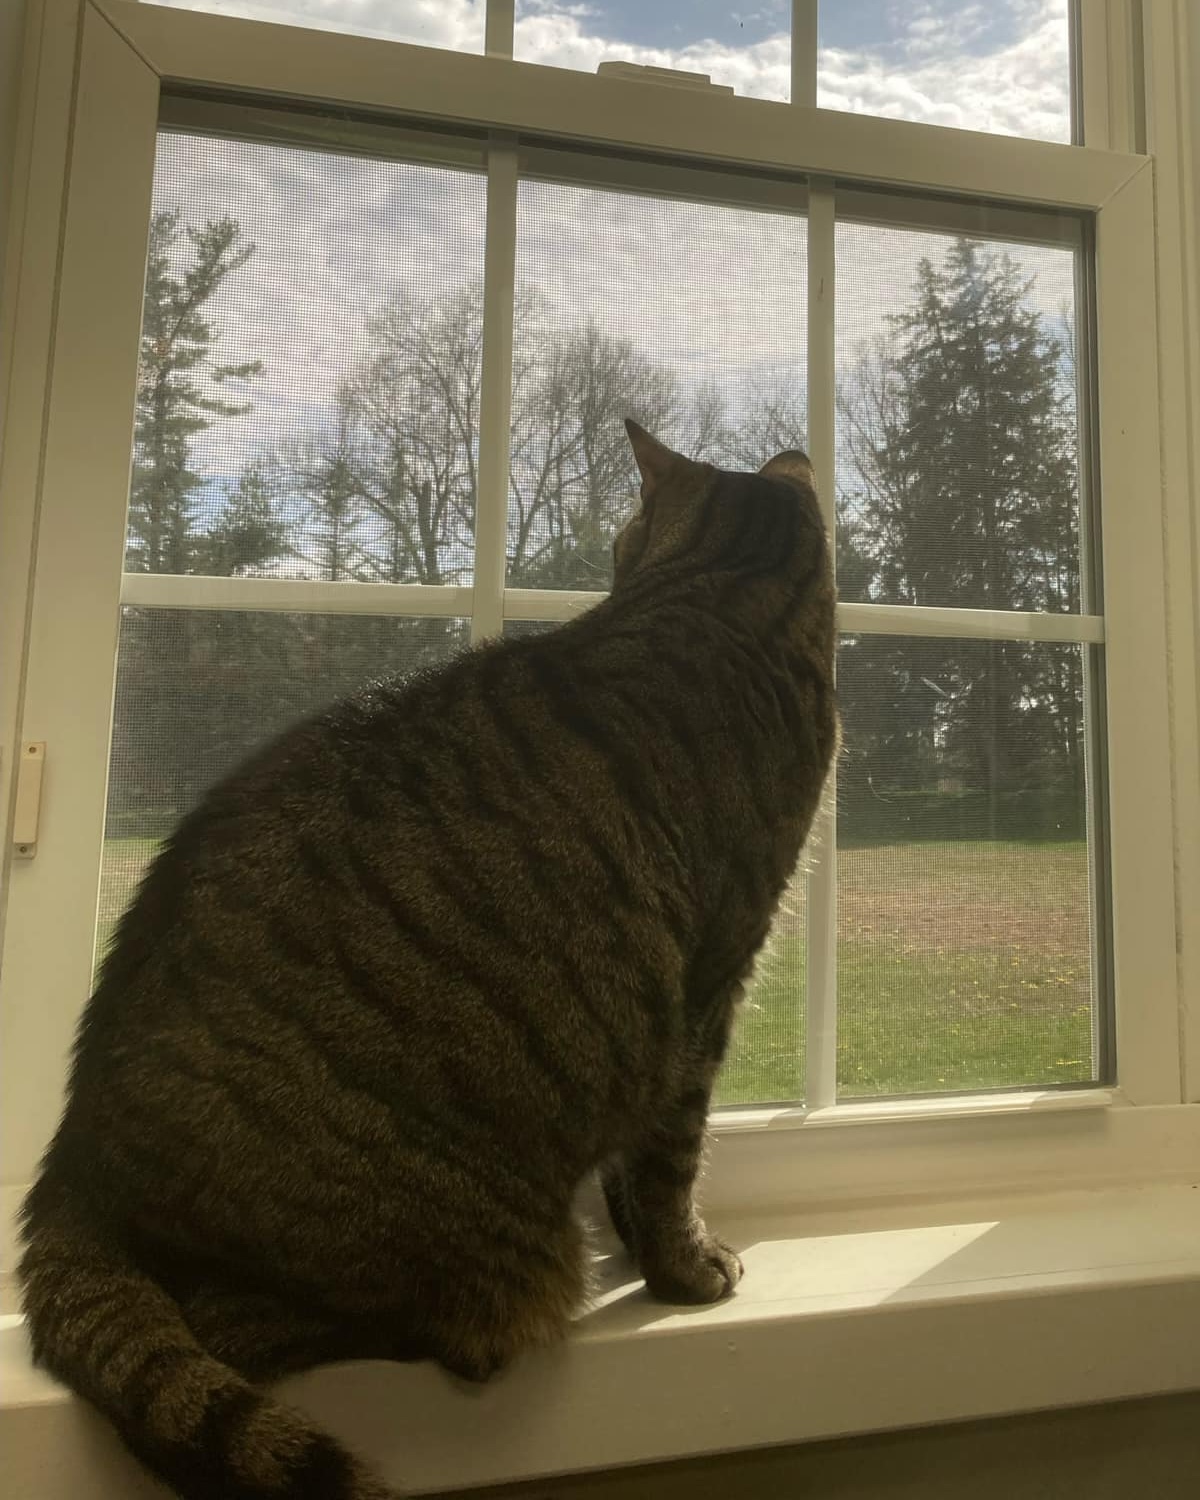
<point x="405" y="979"/>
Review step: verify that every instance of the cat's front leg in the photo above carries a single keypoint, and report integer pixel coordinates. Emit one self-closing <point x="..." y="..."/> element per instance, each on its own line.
<point x="653" y="1197"/>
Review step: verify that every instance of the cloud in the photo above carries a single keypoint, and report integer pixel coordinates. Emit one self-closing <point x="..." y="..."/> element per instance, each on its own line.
<point x="558" y="37"/>
<point x="456" y="24"/>
<point x="715" y="292"/>
<point x="1021" y="88"/>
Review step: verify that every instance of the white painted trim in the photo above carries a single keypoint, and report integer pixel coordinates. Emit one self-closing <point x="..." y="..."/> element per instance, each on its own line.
<point x="548" y="604"/>
<point x="1106" y="69"/>
<point x="862" y="619"/>
<point x="845" y="1322"/>
<point x="498" y="28"/>
<point x="73" y="627"/>
<point x="969" y="624"/>
<point x="895" y="1111"/>
<point x="785" y="1164"/>
<point x="1172" y="43"/>
<point x="293" y="595"/>
<point x="821" y="894"/>
<point x="219" y="52"/>
<point x="804" y="52"/>
<point x="1140" y="811"/>
<point x="28" y="303"/>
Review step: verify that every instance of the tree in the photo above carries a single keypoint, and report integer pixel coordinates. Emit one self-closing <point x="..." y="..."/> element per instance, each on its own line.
<point x="177" y="380"/>
<point x="963" y="488"/>
<point x="572" y="475"/>
<point x="414" y="399"/>
<point x="399" y="461"/>
<point x="248" y="530"/>
<point x="163" y="717"/>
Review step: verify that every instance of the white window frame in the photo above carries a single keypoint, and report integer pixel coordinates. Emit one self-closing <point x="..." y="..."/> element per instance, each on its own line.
<point x="73" y="291"/>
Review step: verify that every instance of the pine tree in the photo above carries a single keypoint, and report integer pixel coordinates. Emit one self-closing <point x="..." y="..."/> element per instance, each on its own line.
<point x="248" y="530"/>
<point x="962" y="447"/>
<point x="175" y="399"/>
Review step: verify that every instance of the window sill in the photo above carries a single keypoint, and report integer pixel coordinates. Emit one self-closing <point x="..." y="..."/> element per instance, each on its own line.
<point x="846" y="1322"/>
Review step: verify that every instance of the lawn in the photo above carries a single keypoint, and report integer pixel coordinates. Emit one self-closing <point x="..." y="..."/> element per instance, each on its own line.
<point x="960" y="966"/>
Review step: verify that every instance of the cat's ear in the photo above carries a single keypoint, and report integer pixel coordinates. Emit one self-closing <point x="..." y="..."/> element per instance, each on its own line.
<point x="792" y="466"/>
<point x="654" y="459"/>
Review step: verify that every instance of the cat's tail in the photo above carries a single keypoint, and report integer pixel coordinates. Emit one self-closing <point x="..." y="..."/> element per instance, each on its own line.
<point x="106" y="1329"/>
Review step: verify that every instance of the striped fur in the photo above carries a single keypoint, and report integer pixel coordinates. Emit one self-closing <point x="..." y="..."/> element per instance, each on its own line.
<point x="404" y="980"/>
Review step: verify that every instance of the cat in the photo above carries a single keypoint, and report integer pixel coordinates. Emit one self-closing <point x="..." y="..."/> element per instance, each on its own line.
<point x="417" y="970"/>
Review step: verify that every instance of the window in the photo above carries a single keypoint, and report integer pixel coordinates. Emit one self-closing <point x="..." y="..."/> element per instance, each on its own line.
<point x="292" y="468"/>
<point x="935" y="316"/>
<point x="456" y="24"/>
<point x="1004" y="66"/>
<point x="745" y="49"/>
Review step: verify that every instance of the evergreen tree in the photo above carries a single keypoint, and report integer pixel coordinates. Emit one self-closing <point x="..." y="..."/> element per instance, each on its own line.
<point x="177" y="374"/>
<point x="960" y="437"/>
<point x="248" y="530"/>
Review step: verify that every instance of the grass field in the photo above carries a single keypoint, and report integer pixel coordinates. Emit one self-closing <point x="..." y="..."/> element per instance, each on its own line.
<point x="960" y="966"/>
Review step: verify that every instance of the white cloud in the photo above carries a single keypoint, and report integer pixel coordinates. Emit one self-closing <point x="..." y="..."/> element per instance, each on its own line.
<point x="456" y="24"/>
<point x="714" y="292"/>
<point x="560" y="37"/>
<point x="1021" y="89"/>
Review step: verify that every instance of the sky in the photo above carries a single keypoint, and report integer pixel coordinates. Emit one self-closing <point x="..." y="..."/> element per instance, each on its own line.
<point x="712" y="291"/>
<point x="998" y="65"/>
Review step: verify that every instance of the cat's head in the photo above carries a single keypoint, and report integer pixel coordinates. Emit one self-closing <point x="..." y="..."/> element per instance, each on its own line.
<point x="761" y="533"/>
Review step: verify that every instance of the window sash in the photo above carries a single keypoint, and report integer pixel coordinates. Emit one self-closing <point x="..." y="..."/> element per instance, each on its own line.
<point x="89" y="416"/>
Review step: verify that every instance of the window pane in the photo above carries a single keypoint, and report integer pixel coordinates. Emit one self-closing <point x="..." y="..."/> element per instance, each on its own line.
<point x="687" y="316"/>
<point x="309" y="385"/>
<point x="958" y="427"/>
<point x="766" y="1059"/>
<point x="965" y="919"/>
<point x="456" y="24"/>
<point x="748" y="50"/>
<point x="1003" y="66"/>
<point x="198" y="690"/>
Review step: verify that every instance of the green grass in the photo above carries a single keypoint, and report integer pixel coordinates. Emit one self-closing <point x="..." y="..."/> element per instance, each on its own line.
<point x="960" y="966"/>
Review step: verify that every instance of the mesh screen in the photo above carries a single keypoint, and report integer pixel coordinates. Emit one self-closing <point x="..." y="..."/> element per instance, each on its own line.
<point x="747" y="49"/>
<point x="965" y="943"/>
<point x="958" y="435"/>
<point x="766" y="1059"/>
<point x="309" y="388"/>
<point x="198" y="690"/>
<point x="689" y="317"/>
<point x="1003" y="67"/>
<point x="456" y="24"/>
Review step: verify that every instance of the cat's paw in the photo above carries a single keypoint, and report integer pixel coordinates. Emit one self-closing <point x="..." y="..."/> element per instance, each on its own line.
<point x="705" y="1271"/>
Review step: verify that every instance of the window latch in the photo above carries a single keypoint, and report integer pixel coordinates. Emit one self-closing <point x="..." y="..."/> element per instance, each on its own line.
<point x="29" y="798"/>
<point x="672" y="77"/>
